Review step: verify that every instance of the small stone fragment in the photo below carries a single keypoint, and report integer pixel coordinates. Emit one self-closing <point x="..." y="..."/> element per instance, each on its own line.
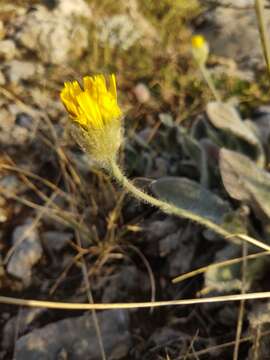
<point x="77" y="337"/>
<point x="7" y="50"/>
<point x="142" y="93"/>
<point x="27" y="252"/>
<point x="23" y="70"/>
<point x="56" y="240"/>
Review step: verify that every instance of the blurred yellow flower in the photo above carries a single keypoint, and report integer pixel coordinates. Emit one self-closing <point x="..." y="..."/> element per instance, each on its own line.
<point x="200" y="48"/>
<point x="96" y="116"/>
<point x="95" y="105"/>
<point x="198" y="41"/>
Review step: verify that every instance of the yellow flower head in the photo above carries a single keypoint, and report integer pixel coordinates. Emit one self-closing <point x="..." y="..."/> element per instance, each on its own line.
<point x="198" y="41"/>
<point x="96" y="116"/>
<point x="200" y="48"/>
<point x="93" y="106"/>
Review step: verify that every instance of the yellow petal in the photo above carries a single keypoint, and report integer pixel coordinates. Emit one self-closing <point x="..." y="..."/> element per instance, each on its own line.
<point x="112" y="86"/>
<point x="91" y="110"/>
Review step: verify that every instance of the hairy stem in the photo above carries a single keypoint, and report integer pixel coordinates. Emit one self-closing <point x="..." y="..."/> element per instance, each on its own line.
<point x="174" y="210"/>
<point x="209" y="81"/>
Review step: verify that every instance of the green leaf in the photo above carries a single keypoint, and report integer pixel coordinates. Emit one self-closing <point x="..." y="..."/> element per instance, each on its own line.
<point x="197" y="153"/>
<point x="245" y="181"/>
<point x="189" y="195"/>
<point x="225" y="117"/>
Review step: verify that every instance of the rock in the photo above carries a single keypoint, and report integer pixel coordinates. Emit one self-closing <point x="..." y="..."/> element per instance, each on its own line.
<point x="124" y="285"/>
<point x="24" y="120"/>
<point x="72" y="8"/>
<point x="56" y="240"/>
<point x="158" y="229"/>
<point x="7" y="50"/>
<point x="233" y="33"/>
<point x="165" y="335"/>
<point x="21" y="322"/>
<point x="15" y="126"/>
<point x="57" y="36"/>
<point x="123" y="30"/>
<point x="77" y="337"/>
<point x="118" y="31"/>
<point x="179" y="249"/>
<point x="10" y="133"/>
<point x="142" y="93"/>
<point x="23" y="70"/>
<point x="262" y="121"/>
<point x="9" y="183"/>
<point x="27" y="252"/>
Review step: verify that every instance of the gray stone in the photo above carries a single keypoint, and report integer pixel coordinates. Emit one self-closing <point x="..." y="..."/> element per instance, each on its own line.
<point x="27" y="252"/>
<point x="124" y="285"/>
<point x="233" y="33"/>
<point x="56" y="240"/>
<point x="10" y="133"/>
<point x="179" y="251"/>
<point x="77" y="337"/>
<point x="9" y="182"/>
<point x="119" y="31"/>
<point x="25" y="317"/>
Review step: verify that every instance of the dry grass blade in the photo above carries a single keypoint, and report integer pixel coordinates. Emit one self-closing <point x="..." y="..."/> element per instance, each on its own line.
<point x="135" y="305"/>
<point x="259" y="6"/>
<point x="149" y="270"/>
<point x="251" y="240"/>
<point x="46" y="182"/>
<point x="217" y="265"/>
<point x="242" y="304"/>
<point x="61" y="216"/>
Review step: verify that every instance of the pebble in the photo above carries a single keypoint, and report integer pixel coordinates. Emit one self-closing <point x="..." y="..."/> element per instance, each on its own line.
<point x="7" y="50"/>
<point x="56" y="240"/>
<point x="142" y="93"/>
<point x="77" y="337"/>
<point x="23" y="70"/>
<point x="27" y="252"/>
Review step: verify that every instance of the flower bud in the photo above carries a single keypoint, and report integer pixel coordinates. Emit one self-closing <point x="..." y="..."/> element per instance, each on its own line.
<point x="200" y="49"/>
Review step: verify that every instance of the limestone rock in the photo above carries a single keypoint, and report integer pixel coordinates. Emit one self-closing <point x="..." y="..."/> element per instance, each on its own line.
<point x="57" y="36"/>
<point x="7" y="49"/>
<point x="232" y="32"/>
<point x="23" y="70"/>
